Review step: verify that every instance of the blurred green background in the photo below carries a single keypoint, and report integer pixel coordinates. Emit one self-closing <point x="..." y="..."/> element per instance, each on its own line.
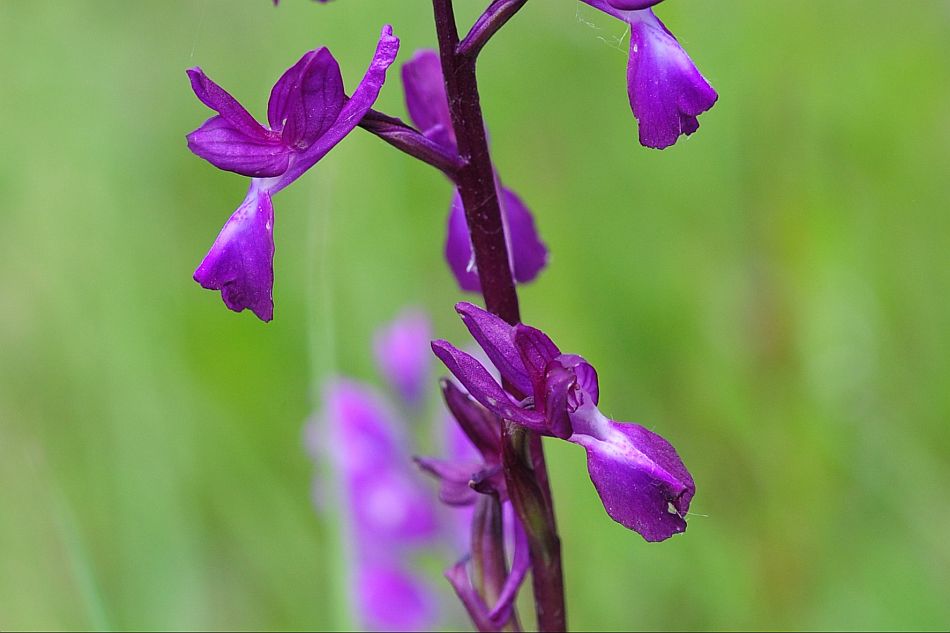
<point x="772" y="295"/>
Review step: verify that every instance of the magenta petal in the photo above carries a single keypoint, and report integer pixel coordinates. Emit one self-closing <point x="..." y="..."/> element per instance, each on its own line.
<point x="483" y="387"/>
<point x="307" y="99"/>
<point x="425" y="97"/>
<point x="402" y="354"/>
<point x="392" y="504"/>
<point x="219" y="100"/>
<point x="632" y="5"/>
<point x="352" y="112"/>
<point x="225" y="147"/>
<point x="458" y="247"/>
<point x="641" y="480"/>
<point x="241" y="262"/>
<point x="453" y="477"/>
<point x="559" y="383"/>
<point x="520" y="563"/>
<point x="536" y="350"/>
<point x="497" y="337"/>
<point x="528" y="253"/>
<point x="586" y="376"/>
<point x="474" y="430"/>
<point x="666" y="90"/>
<point x="458" y="577"/>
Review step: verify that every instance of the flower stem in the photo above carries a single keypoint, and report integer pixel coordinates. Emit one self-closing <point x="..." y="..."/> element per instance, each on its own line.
<point x="525" y="470"/>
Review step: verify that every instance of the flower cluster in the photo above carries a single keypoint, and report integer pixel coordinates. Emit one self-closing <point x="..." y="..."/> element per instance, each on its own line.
<point x="390" y="513"/>
<point x="640" y="478"/>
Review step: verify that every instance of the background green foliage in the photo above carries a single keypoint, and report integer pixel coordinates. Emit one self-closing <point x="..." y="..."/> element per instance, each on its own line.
<point x="771" y="295"/>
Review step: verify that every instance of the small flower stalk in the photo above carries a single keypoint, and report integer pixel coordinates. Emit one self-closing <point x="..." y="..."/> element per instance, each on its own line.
<point x="503" y="397"/>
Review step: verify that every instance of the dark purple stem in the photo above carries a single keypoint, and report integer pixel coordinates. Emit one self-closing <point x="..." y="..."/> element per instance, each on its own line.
<point x="409" y="140"/>
<point x="525" y="471"/>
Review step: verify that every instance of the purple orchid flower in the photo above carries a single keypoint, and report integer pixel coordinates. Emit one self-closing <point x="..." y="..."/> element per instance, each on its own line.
<point x="667" y="93"/>
<point x="429" y="110"/>
<point x="402" y="354"/>
<point x="308" y="114"/>
<point x="641" y="480"/>
<point x="389" y="510"/>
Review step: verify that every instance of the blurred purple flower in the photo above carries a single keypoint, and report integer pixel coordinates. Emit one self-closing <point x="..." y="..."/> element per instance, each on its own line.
<point x="428" y="108"/>
<point x="308" y="114"/>
<point x="667" y="93"/>
<point x="641" y="480"/>
<point x="390" y="512"/>
<point x="402" y="354"/>
<point x="394" y="599"/>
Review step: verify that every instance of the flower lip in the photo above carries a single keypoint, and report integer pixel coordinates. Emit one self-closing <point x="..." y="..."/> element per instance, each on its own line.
<point x="667" y="92"/>
<point x="240" y="263"/>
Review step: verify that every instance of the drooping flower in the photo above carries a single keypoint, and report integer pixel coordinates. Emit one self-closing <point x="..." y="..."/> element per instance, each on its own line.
<point x="308" y="113"/>
<point x="429" y="110"/>
<point x="641" y="480"/>
<point x="667" y="93"/>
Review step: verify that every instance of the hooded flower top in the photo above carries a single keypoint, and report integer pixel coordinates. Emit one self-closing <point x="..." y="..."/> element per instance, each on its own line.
<point x="308" y="113"/>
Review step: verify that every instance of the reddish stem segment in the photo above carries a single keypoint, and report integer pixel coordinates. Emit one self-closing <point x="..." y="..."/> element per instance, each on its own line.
<point x="407" y="139"/>
<point x="525" y="470"/>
